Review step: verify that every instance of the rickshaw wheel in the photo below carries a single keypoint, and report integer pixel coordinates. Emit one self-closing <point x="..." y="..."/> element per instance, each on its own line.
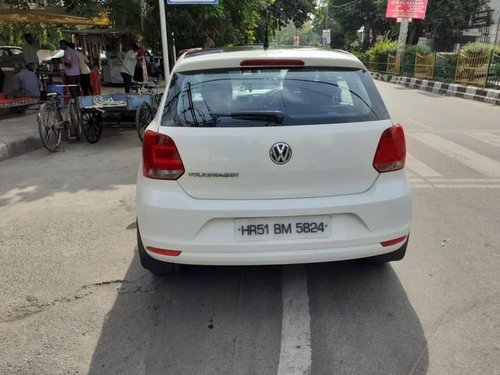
<point x="92" y="126"/>
<point x="143" y="116"/>
<point x="75" y="122"/>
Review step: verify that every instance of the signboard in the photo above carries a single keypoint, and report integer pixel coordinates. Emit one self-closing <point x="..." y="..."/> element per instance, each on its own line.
<point x="406" y="9"/>
<point x="326" y="37"/>
<point x="188" y="2"/>
<point x="482" y="18"/>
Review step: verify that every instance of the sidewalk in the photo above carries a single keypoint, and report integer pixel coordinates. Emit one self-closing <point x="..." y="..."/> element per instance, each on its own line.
<point x="18" y="133"/>
<point x="467" y="92"/>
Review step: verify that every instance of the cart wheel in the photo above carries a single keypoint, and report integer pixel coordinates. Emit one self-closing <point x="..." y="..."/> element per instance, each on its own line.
<point x="49" y="126"/>
<point x="75" y="121"/>
<point x="92" y="126"/>
<point x="143" y="116"/>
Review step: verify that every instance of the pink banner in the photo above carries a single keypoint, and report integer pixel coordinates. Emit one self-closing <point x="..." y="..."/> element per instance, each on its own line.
<point x="406" y="9"/>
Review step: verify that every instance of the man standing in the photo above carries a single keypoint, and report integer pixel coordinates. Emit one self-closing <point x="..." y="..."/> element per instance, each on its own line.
<point x="84" y="71"/>
<point x="71" y="68"/>
<point x="29" y="50"/>
<point x="26" y="83"/>
<point x="128" y="66"/>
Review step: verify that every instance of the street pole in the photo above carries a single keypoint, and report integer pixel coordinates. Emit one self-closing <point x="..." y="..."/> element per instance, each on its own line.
<point x="164" y="40"/>
<point x="403" y="34"/>
<point x="498" y="28"/>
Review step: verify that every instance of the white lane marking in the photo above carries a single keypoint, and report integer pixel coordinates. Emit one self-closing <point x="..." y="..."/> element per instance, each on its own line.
<point x="471" y="159"/>
<point x="420" y="168"/>
<point x="453" y="186"/>
<point x="419" y="124"/>
<point x="464" y="180"/>
<point x="416" y="180"/>
<point x="295" y="353"/>
<point x="488" y="138"/>
<point x="466" y="186"/>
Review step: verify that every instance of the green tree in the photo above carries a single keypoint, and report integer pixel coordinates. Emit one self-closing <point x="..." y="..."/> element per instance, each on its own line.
<point x="346" y="18"/>
<point x="446" y="18"/>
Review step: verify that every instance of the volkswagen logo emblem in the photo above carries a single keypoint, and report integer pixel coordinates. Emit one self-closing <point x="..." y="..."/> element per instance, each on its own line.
<point x="280" y="153"/>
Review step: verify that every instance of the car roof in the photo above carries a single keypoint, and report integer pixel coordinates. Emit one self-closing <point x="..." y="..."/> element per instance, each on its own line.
<point x="232" y="58"/>
<point x="12" y="47"/>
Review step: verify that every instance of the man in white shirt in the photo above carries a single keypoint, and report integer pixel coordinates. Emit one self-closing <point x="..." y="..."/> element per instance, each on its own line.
<point x="128" y="67"/>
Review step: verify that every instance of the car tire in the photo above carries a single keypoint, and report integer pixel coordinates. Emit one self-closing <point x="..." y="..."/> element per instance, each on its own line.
<point x="390" y="257"/>
<point x="156" y="267"/>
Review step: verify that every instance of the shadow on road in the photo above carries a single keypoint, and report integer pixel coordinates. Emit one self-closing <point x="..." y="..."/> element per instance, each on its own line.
<point x="79" y="166"/>
<point x="362" y="321"/>
<point x="227" y="320"/>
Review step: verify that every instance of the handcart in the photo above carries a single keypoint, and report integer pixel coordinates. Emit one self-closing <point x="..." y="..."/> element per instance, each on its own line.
<point x="131" y="109"/>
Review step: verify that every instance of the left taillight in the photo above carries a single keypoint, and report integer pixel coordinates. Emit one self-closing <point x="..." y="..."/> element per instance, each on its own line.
<point x="391" y="150"/>
<point x="160" y="157"/>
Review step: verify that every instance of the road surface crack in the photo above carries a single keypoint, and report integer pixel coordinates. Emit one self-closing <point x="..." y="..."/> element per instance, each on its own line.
<point x="35" y="307"/>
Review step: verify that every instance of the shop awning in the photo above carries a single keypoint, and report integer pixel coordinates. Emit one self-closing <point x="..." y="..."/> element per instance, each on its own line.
<point x="51" y="16"/>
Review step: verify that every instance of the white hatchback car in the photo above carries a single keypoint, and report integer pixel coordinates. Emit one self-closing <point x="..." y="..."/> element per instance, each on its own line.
<point x="279" y="156"/>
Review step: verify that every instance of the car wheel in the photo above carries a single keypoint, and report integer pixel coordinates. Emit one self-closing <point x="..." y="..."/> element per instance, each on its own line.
<point x="390" y="257"/>
<point x="154" y="266"/>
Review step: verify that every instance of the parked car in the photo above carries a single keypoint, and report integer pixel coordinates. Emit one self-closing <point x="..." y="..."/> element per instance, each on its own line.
<point x="271" y="157"/>
<point x="11" y="57"/>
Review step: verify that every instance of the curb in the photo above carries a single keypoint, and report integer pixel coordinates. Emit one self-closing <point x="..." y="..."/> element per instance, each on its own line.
<point x="19" y="147"/>
<point x="450" y="89"/>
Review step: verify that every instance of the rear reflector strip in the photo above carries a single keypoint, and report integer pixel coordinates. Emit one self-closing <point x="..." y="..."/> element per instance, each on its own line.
<point x="272" y="62"/>
<point x="393" y="242"/>
<point x="171" y="253"/>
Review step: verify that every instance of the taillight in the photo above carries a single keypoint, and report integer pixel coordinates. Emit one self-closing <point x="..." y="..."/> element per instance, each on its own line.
<point x="391" y="150"/>
<point x="160" y="158"/>
<point x="393" y="242"/>
<point x="170" y="253"/>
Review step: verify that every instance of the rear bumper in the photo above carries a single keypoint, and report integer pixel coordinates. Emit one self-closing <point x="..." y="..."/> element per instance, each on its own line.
<point x="204" y="229"/>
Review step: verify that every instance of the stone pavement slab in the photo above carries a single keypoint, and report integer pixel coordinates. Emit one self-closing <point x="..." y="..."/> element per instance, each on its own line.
<point x="18" y="133"/>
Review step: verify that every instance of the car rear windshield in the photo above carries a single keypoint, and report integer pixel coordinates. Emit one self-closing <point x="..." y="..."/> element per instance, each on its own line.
<point x="272" y="97"/>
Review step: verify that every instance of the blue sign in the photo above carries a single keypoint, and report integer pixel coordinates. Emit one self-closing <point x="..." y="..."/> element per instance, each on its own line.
<point x="184" y="2"/>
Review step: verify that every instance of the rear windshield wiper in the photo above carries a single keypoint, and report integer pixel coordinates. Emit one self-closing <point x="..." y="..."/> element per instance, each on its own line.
<point x="269" y="116"/>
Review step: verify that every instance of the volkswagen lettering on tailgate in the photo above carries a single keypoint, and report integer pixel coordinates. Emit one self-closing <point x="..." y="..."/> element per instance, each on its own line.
<point x="274" y="156"/>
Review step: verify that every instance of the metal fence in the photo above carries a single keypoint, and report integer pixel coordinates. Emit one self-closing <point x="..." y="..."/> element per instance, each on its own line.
<point x="446" y="67"/>
<point x="493" y="79"/>
<point x="473" y="68"/>
<point x="478" y="69"/>
<point x="424" y="66"/>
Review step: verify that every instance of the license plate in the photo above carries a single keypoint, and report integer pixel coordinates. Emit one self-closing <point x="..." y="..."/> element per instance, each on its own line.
<point x="282" y="228"/>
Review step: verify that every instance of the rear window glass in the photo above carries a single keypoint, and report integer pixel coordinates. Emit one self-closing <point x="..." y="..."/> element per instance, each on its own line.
<point x="266" y="97"/>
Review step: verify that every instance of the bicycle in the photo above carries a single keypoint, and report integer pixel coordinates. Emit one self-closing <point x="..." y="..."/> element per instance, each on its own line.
<point x="52" y="123"/>
<point x="145" y="112"/>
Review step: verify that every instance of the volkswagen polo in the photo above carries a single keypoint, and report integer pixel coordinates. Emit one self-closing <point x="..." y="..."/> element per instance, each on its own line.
<point x="277" y="156"/>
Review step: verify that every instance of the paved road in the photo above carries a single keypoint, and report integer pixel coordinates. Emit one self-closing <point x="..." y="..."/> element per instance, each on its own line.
<point x="76" y="301"/>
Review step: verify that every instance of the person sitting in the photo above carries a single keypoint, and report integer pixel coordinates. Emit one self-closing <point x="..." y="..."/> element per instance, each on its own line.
<point x="26" y="83"/>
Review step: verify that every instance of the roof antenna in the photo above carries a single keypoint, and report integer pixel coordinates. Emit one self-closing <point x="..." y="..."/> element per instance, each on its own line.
<point x="266" y="41"/>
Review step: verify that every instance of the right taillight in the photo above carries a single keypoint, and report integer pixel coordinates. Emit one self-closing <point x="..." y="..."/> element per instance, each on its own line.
<point x="391" y="150"/>
<point x="160" y="157"/>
